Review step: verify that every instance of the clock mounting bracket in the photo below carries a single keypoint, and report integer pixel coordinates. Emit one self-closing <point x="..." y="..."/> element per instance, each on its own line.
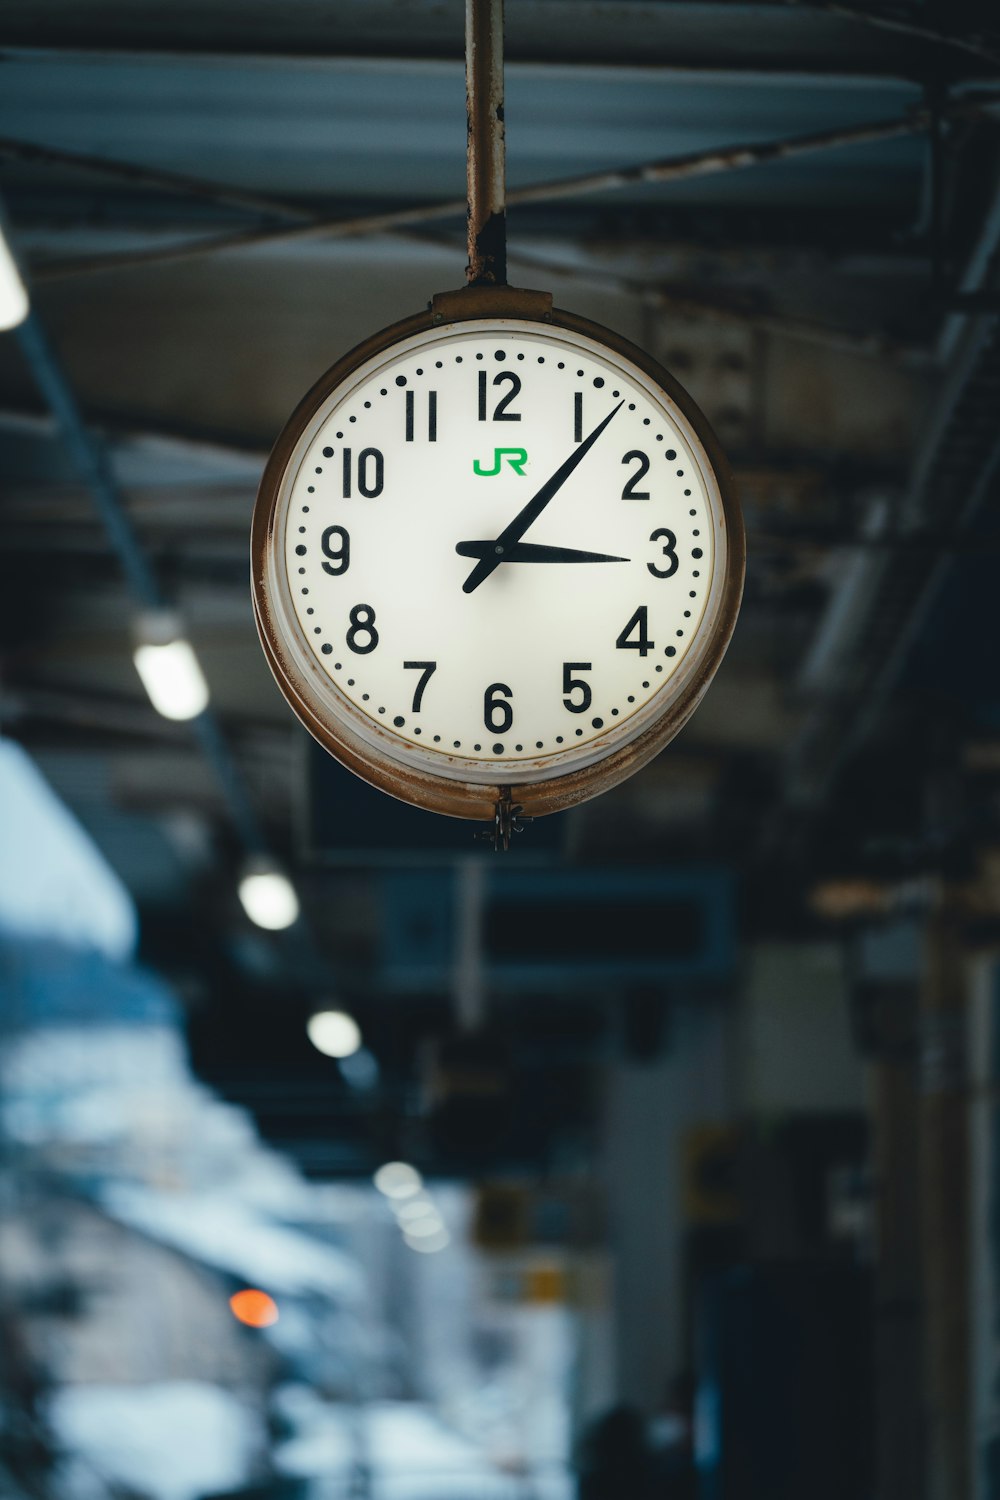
<point x="491" y="302"/>
<point x="508" y="819"/>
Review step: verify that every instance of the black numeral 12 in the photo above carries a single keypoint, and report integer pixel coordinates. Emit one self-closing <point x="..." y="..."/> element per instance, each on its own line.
<point x="500" y="412"/>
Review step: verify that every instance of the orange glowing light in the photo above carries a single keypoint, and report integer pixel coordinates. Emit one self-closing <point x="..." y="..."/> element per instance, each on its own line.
<point x="255" y="1309"/>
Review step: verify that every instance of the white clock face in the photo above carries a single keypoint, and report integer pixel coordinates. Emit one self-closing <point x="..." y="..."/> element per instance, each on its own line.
<point x="499" y="551"/>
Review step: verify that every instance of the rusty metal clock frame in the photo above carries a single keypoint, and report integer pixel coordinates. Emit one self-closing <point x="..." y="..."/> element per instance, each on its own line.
<point x="381" y="758"/>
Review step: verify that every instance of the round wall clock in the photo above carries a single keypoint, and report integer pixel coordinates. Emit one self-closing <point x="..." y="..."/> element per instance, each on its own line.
<point x="496" y="557"/>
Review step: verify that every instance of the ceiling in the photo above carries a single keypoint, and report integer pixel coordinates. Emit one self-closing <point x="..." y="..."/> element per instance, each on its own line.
<point x="831" y="307"/>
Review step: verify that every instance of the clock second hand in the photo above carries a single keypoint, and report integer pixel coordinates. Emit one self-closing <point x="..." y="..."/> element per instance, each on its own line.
<point x="515" y="530"/>
<point x="535" y="552"/>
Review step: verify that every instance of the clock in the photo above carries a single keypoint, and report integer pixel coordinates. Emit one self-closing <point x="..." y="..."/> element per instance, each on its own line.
<point x="496" y="557"/>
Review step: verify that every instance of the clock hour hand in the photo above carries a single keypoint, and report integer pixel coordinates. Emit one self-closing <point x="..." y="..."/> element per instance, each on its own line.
<point x="514" y="531"/>
<point x="533" y="552"/>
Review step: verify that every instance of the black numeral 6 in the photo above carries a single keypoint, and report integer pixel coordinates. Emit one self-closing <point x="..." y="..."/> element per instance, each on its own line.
<point x="498" y="715"/>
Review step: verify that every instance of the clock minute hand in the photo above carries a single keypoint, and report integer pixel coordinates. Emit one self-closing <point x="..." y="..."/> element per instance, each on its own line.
<point x="535" y="552"/>
<point x="530" y="512"/>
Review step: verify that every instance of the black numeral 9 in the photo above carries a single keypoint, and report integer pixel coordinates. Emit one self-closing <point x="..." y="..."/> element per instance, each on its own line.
<point x="340" y="556"/>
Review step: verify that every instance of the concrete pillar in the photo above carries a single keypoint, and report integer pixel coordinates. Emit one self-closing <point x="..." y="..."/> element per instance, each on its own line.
<point x="944" y="1171"/>
<point x="901" y="1463"/>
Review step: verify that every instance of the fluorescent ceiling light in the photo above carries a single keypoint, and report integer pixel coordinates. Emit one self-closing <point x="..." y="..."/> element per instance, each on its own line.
<point x="13" y="296"/>
<point x="397" y="1179"/>
<point x="334" y="1033"/>
<point x="173" y="679"/>
<point x="169" y="668"/>
<point x="268" y="896"/>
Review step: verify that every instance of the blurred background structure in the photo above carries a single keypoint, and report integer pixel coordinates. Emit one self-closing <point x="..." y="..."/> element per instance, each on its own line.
<point x="338" y="1156"/>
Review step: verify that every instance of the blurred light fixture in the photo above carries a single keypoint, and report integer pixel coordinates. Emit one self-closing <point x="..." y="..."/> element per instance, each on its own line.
<point x="422" y="1228"/>
<point x="397" y="1179"/>
<point x="13" y="294"/>
<point x="426" y="1244"/>
<point x="360" y="1070"/>
<point x="334" y="1033"/>
<point x="267" y="895"/>
<point x="168" y="666"/>
<point x="414" y="1208"/>
<point x="254" y="1308"/>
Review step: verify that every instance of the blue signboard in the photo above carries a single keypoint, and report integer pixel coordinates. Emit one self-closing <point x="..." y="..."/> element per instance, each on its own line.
<point x="562" y="928"/>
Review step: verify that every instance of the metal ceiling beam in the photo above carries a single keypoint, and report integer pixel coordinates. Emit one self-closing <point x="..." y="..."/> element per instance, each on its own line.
<point x="114" y="433"/>
<point x="30" y="153"/>
<point x="663" y="171"/>
<point x="875" y="344"/>
<point x="819" y="35"/>
<point x="973" y="46"/>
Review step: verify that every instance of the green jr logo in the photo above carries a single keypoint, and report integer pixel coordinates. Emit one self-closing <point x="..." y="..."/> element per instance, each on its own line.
<point x="516" y="457"/>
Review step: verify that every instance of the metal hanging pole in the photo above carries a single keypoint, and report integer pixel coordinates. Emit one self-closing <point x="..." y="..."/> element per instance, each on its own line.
<point x="936" y="101"/>
<point x="486" y="158"/>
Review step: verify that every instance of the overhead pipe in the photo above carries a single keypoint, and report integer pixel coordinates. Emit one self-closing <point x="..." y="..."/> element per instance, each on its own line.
<point x="90" y="455"/>
<point x="92" y="461"/>
<point x="668" y="169"/>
